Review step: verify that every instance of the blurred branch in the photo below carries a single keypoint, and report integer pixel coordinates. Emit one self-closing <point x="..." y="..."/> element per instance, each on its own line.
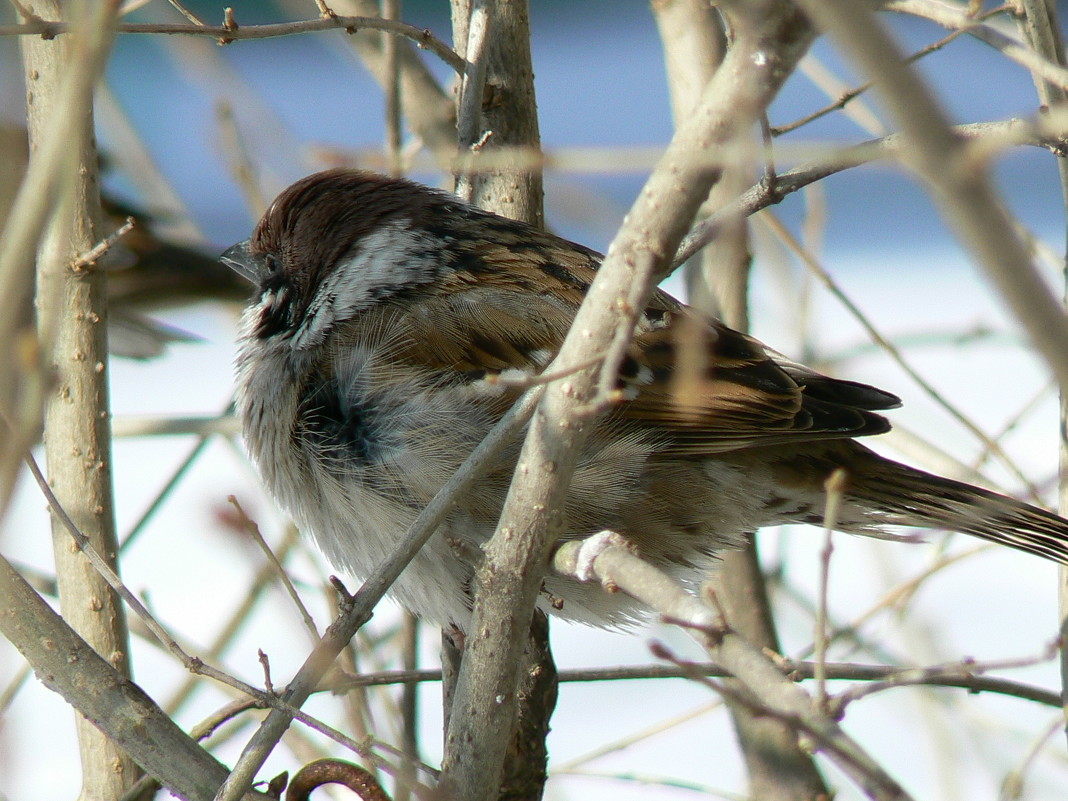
<point x="247" y="697"/>
<point x="391" y="87"/>
<point x="693" y="41"/>
<point x="1039" y="26"/>
<point x="958" y="180"/>
<point x="71" y="311"/>
<point x="948" y="16"/>
<point x="226" y="425"/>
<point x="23" y="381"/>
<point x="847" y="96"/>
<point x="1048" y="131"/>
<point x="130" y="153"/>
<point x="48" y="29"/>
<point x="991" y="136"/>
<point x="239" y="160"/>
<point x="848" y="100"/>
<point x="788" y="239"/>
<point x="264" y="579"/>
<point x="98" y="561"/>
<point x="429" y="110"/>
<point x="1014" y="785"/>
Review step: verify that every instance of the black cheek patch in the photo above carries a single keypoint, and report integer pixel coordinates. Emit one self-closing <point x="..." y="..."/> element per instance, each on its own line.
<point x="281" y="315"/>
<point x="273" y="321"/>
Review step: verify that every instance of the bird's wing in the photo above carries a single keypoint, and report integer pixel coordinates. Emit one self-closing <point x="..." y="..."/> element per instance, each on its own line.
<point x="710" y="389"/>
<point x="693" y="383"/>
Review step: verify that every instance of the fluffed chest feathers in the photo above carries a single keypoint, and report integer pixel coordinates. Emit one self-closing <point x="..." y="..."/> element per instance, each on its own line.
<point x="364" y="449"/>
<point x="369" y="444"/>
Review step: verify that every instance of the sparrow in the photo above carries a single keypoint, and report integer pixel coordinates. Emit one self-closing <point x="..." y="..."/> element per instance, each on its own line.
<point x="383" y="316"/>
<point x="147" y="271"/>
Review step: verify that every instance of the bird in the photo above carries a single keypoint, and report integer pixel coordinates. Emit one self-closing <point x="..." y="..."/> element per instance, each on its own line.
<point x="383" y="317"/>
<point x="147" y="270"/>
<point x="150" y="273"/>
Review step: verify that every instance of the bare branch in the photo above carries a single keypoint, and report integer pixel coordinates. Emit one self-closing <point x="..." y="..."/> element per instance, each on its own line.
<point x="49" y="29"/>
<point x="98" y="691"/>
<point x="763" y="687"/>
<point x="767" y="46"/>
<point x="971" y="676"/>
<point x="946" y="15"/>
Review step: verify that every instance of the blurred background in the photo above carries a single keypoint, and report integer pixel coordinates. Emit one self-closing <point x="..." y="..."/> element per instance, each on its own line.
<point x="189" y="128"/>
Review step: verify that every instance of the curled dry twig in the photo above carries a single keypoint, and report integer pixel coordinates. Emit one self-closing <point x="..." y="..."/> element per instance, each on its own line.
<point x="335" y="771"/>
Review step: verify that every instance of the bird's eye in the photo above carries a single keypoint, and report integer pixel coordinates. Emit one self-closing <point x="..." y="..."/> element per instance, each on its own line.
<point x="273" y="263"/>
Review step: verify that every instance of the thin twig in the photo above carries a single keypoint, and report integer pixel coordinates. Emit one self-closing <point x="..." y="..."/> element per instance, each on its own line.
<point x="231" y="626"/>
<point x="189" y="15"/>
<point x="328" y="13"/>
<point x="946" y="15"/>
<point x="240" y="161"/>
<point x="949" y="675"/>
<point x="961" y="184"/>
<point x="100" y="249"/>
<point x="763" y="688"/>
<point x="1012" y="788"/>
<point x="897" y="597"/>
<point x="848" y="96"/>
<point x="176" y="476"/>
<point x="253" y="531"/>
<point x="225" y="34"/>
<point x="1041" y="132"/>
<point x="111" y="577"/>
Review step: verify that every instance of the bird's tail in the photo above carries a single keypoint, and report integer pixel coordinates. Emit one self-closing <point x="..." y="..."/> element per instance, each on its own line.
<point x="895" y="494"/>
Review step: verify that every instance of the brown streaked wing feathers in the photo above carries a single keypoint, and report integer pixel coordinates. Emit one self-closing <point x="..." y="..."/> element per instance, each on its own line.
<point x="741" y="396"/>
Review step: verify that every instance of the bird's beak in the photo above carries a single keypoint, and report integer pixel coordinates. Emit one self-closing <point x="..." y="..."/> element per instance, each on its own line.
<point x="241" y="260"/>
